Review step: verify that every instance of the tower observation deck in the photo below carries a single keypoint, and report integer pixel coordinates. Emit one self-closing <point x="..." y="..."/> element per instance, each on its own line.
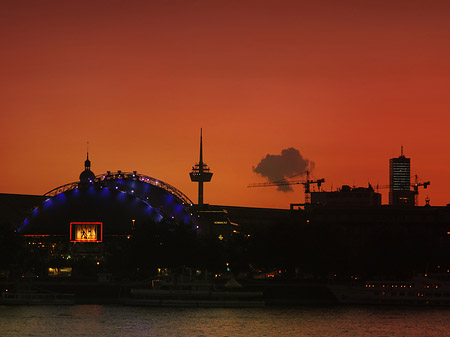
<point x="200" y="173"/>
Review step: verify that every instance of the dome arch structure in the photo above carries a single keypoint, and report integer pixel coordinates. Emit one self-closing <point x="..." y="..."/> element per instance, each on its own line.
<point x="151" y="199"/>
<point x="109" y="178"/>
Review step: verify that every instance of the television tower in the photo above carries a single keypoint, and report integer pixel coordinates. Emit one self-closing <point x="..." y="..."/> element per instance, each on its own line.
<point x="200" y="173"/>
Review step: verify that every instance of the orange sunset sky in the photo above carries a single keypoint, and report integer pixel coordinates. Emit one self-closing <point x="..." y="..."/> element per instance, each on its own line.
<point x="344" y="82"/>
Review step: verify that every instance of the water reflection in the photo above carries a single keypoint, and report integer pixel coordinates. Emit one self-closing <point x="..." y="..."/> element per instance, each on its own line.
<point x="98" y="320"/>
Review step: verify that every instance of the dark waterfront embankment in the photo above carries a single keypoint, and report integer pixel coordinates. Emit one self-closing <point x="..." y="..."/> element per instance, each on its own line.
<point x="272" y="293"/>
<point x="341" y="243"/>
<point x="293" y="252"/>
<point x="292" y="294"/>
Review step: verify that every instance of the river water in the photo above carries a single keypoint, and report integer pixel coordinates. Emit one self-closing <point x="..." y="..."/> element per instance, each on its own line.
<point x="107" y="320"/>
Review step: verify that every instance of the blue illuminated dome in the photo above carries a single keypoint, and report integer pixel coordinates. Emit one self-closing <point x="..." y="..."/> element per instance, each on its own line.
<point x="119" y="201"/>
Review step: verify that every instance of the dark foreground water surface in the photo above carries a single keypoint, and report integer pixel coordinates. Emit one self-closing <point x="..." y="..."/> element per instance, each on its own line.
<point x="103" y="320"/>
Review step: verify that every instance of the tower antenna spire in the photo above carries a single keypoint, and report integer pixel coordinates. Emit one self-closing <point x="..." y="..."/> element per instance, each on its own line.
<point x="401" y="150"/>
<point x="201" y="147"/>
<point x="200" y="172"/>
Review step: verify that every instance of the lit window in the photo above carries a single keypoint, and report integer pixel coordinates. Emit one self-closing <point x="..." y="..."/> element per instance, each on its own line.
<point x="86" y="231"/>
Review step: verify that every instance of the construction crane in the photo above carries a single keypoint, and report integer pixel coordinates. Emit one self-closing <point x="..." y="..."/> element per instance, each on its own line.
<point x="306" y="184"/>
<point x="416" y="186"/>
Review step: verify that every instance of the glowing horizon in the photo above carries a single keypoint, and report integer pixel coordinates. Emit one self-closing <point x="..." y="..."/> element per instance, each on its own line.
<point x="347" y="84"/>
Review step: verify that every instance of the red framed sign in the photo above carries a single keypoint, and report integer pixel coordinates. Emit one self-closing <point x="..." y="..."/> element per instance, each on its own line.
<point x="86" y="232"/>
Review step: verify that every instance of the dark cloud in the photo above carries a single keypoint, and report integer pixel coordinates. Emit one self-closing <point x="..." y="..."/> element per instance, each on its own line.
<point x="278" y="167"/>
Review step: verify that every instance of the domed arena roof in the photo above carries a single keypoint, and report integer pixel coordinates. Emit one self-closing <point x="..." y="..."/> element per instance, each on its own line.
<point x="118" y="200"/>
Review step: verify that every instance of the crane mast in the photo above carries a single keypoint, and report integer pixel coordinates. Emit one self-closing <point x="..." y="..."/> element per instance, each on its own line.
<point x="416" y="186"/>
<point x="306" y="184"/>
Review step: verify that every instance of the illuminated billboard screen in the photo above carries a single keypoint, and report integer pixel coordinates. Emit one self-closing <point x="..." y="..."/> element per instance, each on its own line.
<point x="86" y="231"/>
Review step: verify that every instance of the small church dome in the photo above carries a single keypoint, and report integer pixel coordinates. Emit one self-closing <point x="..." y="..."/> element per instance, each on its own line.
<point x="87" y="176"/>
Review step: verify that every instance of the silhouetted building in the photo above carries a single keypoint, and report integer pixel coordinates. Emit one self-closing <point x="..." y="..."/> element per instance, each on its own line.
<point x="215" y="221"/>
<point x="400" y="193"/>
<point x="16" y="207"/>
<point x="347" y="197"/>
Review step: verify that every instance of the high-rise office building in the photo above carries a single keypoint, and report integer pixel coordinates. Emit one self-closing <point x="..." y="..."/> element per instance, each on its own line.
<point x="400" y="193"/>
